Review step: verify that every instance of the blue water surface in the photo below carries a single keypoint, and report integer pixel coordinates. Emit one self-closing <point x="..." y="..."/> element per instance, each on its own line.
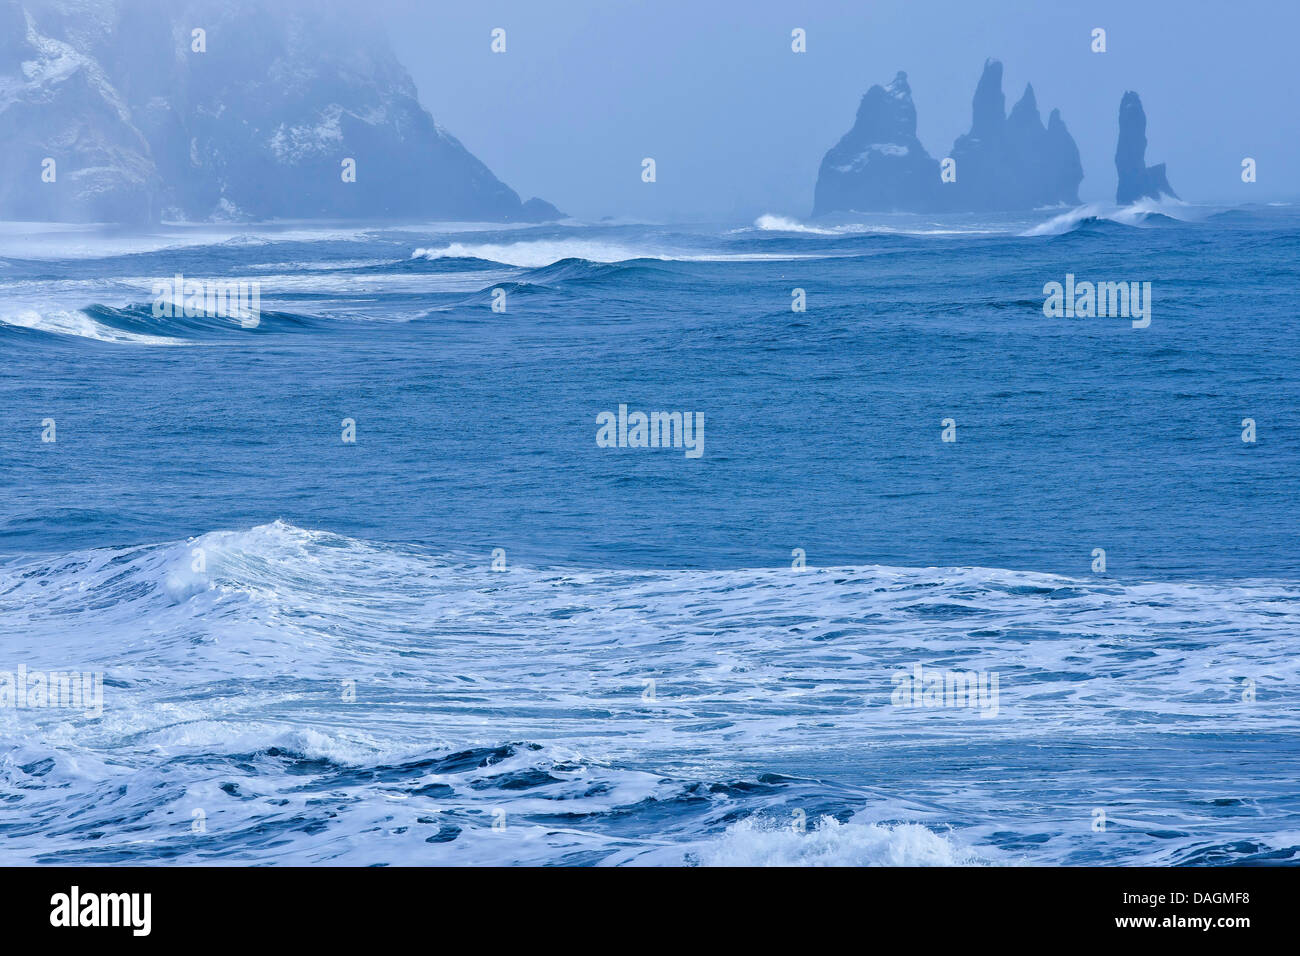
<point x="529" y="692"/>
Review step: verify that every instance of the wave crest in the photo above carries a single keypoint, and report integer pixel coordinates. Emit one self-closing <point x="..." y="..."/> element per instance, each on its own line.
<point x="758" y="842"/>
<point x="79" y="323"/>
<point x="1145" y="212"/>
<point x="774" y="223"/>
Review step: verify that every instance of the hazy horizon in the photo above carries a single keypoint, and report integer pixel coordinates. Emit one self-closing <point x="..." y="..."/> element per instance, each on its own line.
<point x="740" y="123"/>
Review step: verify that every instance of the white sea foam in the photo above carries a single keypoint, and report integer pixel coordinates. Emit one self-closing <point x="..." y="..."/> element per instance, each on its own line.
<point x="414" y="694"/>
<point x="75" y="322"/>
<point x="755" y="841"/>
<point x="1134" y="214"/>
<point x="773" y="223"/>
<point x="37" y="240"/>
<point x="532" y="254"/>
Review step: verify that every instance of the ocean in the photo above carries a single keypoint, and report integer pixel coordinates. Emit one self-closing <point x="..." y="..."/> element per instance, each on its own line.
<point x="949" y="581"/>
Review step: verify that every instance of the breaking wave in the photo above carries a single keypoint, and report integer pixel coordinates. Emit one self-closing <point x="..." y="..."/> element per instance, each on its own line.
<point x="784" y="224"/>
<point x="1146" y="212"/>
<point x="137" y="325"/>
<point x="80" y="323"/>
<point x="328" y="699"/>
<point x="534" y="254"/>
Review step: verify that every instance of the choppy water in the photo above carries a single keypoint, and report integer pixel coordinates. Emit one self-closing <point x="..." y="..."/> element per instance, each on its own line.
<point x="649" y="680"/>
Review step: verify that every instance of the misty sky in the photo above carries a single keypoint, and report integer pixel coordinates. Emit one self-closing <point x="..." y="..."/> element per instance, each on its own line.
<point x="738" y="124"/>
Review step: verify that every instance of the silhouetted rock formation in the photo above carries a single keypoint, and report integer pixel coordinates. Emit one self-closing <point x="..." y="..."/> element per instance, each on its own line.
<point x="142" y="126"/>
<point x="1013" y="162"/>
<point x="1004" y="163"/>
<point x="879" y="163"/>
<point x="1137" y="180"/>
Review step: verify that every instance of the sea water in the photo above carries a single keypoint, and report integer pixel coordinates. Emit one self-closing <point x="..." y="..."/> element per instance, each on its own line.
<point x="952" y="580"/>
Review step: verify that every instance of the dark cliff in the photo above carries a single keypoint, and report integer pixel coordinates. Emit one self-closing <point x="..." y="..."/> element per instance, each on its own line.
<point x="255" y="126"/>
